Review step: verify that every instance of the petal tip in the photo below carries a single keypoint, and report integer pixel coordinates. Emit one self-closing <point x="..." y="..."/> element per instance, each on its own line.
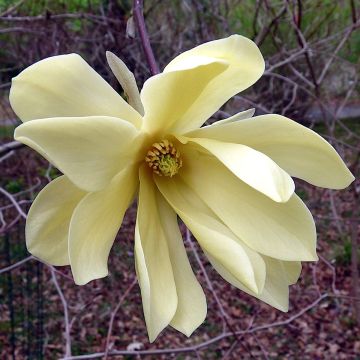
<point x="85" y="280"/>
<point x="152" y="338"/>
<point x="253" y="286"/>
<point x="350" y="178"/>
<point x="284" y="196"/>
<point x="310" y="256"/>
<point x="110" y="56"/>
<point x="154" y="334"/>
<point x="284" y="308"/>
<point x="189" y="327"/>
<point x="315" y="257"/>
<point x="347" y="178"/>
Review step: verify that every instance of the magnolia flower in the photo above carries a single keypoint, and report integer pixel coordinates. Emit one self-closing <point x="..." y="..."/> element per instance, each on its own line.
<point x="229" y="182"/>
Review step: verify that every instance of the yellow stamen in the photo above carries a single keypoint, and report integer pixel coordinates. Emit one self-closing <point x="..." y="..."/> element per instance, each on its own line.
<point x="164" y="159"/>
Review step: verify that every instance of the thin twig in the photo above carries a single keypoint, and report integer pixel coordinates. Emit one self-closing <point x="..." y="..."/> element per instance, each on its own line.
<point x="66" y="313"/>
<point x="12" y="199"/>
<point x="13" y="145"/>
<point x="113" y="315"/>
<point x="138" y="12"/>
<point x="205" y="343"/>
<point x="16" y="265"/>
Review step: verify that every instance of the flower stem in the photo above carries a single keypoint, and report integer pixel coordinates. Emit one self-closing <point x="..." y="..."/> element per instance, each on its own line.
<point x="145" y="42"/>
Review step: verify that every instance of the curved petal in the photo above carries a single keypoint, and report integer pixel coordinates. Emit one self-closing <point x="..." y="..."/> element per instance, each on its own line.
<point x="214" y="238"/>
<point x="66" y="85"/>
<point x="298" y="150"/>
<point x="292" y="270"/>
<point x="94" y="225"/>
<point x="284" y="231"/>
<point x="48" y="220"/>
<point x="153" y="265"/>
<point x="246" y="65"/>
<point x="276" y="289"/>
<point x="127" y="81"/>
<point x="90" y="151"/>
<point x="191" y="309"/>
<point x="247" y="114"/>
<point x="179" y="98"/>
<point x="251" y="166"/>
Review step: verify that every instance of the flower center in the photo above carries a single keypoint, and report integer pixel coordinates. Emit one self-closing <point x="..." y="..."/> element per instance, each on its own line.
<point x="163" y="158"/>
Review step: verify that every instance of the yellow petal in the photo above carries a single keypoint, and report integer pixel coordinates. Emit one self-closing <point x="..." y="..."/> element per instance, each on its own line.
<point x="66" y="85"/>
<point x="292" y="270"/>
<point x="94" y="225"/>
<point x="298" y="150"/>
<point x="47" y="224"/>
<point x="153" y="265"/>
<point x="214" y="238"/>
<point x="180" y="97"/>
<point x="285" y="231"/>
<point x="246" y="65"/>
<point x="90" y="151"/>
<point x="191" y="309"/>
<point x="251" y="166"/>
<point x="237" y="117"/>
<point x="275" y="291"/>
<point x="127" y="81"/>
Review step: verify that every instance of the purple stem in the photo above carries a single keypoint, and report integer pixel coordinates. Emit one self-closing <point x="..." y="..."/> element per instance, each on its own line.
<point x="145" y="42"/>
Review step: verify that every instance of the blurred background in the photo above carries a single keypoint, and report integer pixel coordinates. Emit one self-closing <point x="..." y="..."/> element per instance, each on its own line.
<point x="311" y="48"/>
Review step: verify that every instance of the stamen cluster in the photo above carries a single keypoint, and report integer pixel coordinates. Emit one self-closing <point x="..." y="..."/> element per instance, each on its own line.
<point x="164" y="159"/>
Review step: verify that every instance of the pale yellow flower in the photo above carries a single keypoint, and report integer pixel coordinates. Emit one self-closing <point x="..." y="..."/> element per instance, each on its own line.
<point x="229" y="182"/>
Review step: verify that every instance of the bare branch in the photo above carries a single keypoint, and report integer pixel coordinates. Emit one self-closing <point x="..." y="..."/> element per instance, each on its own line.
<point x="16" y="265"/>
<point x="144" y="36"/>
